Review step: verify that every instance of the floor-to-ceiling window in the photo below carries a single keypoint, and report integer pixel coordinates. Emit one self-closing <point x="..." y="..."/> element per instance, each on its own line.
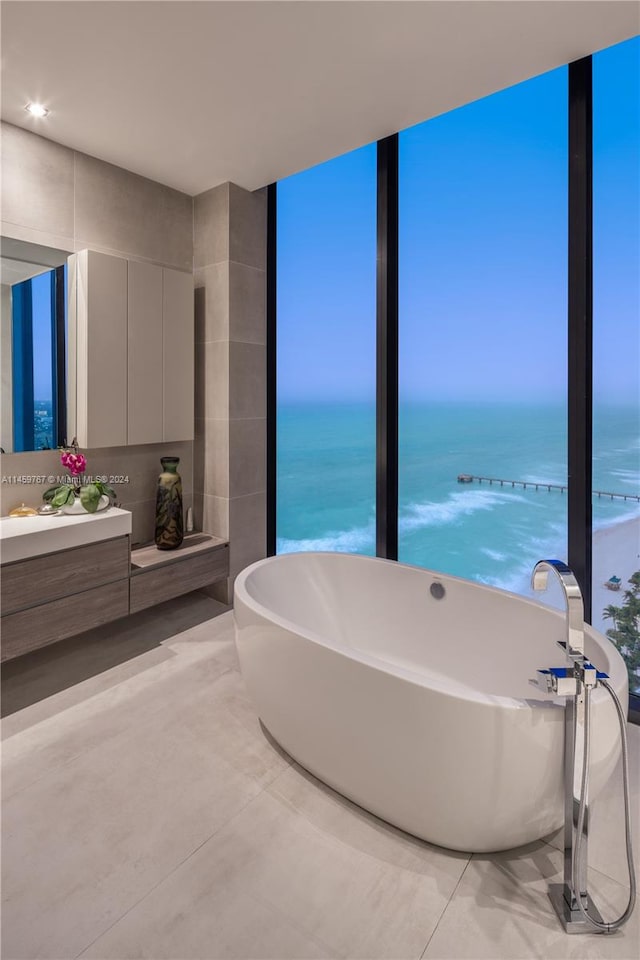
<point x="483" y="335"/>
<point x="326" y="356"/>
<point x="483" y="304"/>
<point x="616" y="348"/>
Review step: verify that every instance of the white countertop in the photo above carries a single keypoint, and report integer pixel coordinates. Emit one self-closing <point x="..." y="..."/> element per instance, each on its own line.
<point x="25" y="537"/>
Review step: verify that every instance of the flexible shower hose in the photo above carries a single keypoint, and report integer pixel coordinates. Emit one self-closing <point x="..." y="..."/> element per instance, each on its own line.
<point x="577" y="865"/>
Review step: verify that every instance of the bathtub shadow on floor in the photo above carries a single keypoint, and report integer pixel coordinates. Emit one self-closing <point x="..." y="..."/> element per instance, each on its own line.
<point x="352" y="824"/>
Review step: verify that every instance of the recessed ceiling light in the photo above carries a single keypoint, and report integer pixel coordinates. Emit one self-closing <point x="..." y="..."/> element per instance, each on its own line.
<point x="36" y="109"/>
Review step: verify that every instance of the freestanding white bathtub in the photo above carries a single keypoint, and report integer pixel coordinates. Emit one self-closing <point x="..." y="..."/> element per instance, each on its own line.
<point x="418" y="709"/>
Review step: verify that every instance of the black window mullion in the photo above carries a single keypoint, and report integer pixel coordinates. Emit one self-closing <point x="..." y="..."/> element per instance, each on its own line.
<point x="272" y="366"/>
<point x="387" y="350"/>
<point x="58" y="341"/>
<point x="580" y="328"/>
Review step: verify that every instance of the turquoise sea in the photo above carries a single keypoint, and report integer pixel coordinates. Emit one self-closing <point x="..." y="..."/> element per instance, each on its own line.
<point x="493" y="534"/>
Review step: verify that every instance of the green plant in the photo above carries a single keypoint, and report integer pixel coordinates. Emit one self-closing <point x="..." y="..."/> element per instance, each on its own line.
<point x="625" y="632"/>
<point x="77" y="486"/>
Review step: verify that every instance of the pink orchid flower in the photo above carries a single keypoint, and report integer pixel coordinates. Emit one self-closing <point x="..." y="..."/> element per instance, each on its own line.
<point x="77" y="465"/>
<point x="75" y="462"/>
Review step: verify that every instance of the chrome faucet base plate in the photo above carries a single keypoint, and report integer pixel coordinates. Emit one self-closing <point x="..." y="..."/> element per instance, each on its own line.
<point x="572" y="920"/>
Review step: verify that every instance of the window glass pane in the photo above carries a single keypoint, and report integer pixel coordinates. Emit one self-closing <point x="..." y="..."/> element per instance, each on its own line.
<point x="33" y="362"/>
<point x="616" y="348"/>
<point x="483" y="320"/>
<point x="326" y="284"/>
<point x="43" y="288"/>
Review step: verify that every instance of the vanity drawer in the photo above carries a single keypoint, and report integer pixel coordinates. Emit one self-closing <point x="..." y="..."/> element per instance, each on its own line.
<point x="39" y="580"/>
<point x="29" y="629"/>
<point x="152" y="586"/>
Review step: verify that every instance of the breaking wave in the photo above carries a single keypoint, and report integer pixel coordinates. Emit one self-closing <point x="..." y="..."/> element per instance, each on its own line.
<point x="416" y="516"/>
<point x="356" y="540"/>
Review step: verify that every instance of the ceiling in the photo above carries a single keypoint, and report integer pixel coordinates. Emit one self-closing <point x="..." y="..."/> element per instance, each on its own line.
<point x="196" y="93"/>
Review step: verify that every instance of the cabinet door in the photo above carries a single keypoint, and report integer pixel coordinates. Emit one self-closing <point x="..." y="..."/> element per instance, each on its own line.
<point x="100" y="346"/>
<point x="37" y="626"/>
<point x="179" y="336"/>
<point x="145" y="353"/>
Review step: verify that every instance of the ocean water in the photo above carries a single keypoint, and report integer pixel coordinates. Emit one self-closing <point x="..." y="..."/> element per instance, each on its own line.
<point x="492" y="534"/>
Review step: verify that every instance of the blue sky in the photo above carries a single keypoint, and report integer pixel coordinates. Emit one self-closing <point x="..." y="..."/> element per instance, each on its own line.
<point x="616" y="222"/>
<point x="483" y="224"/>
<point x="327" y="280"/>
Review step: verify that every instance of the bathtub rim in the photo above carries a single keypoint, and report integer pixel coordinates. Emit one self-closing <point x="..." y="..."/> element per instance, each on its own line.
<point x="425" y="680"/>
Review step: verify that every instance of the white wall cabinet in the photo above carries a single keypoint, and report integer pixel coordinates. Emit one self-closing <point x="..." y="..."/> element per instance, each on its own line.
<point x="145" y="378"/>
<point x="131" y="352"/>
<point x="97" y="353"/>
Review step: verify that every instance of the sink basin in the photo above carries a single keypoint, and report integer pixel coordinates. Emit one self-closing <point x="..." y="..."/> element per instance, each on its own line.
<point x="25" y="537"/>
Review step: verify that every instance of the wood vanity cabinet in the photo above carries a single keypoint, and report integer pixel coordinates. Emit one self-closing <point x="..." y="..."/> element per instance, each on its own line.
<point x="56" y="595"/>
<point x="131" y="352"/>
<point x="158" y="575"/>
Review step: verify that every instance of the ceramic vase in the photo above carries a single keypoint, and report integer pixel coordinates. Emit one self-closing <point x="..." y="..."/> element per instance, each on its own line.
<point x="169" y="521"/>
<point x="76" y="507"/>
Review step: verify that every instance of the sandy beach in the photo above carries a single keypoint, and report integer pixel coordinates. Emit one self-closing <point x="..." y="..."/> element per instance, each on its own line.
<point x="616" y="552"/>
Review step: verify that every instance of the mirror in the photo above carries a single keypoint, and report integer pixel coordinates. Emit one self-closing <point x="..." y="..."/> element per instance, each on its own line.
<point x="33" y="336"/>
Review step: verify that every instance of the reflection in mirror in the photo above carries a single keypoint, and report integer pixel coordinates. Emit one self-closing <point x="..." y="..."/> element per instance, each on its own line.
<point x="32" y="346"/>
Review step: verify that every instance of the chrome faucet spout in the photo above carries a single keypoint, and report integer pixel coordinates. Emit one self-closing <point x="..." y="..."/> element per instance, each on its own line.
<point x="573" y="599"/>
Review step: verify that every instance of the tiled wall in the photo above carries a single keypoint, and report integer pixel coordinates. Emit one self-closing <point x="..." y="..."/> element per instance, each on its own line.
<point x="138" y="467"/>
<point x="60" y="198"/>
<point x="230" y="447"/>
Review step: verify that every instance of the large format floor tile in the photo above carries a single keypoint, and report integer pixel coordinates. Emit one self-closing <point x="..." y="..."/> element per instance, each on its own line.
<point x="345" y="881"/>
<point x="109" y="796"/>
<point x="88" y="841"/>
<point x="500" y="909"/>
<point x="42" y="684"/>
<point x="159" y="689"/>
<point x="148" y="814"/>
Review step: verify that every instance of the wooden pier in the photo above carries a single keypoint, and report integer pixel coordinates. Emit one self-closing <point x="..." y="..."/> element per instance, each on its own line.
<point x="541" y="485"/>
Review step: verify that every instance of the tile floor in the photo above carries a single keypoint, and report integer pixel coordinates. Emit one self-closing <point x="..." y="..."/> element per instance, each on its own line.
<point x="147" y="814"/>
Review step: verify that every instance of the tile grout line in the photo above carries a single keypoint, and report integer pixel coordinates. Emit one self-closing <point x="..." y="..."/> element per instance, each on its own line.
<point x="250" y="266"/>
<point x="170" y="873"/>
<point x="352" y="807"/>
<point x="625" y="886"/>
<point x="329" y="953"/>
<point x="251" y="343"/>
<point x="446" y="906"/>
<point x="74" y="200"/>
